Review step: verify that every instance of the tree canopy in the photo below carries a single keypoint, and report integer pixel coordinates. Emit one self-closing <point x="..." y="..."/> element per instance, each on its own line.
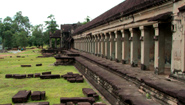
<point x="17" y="31"/>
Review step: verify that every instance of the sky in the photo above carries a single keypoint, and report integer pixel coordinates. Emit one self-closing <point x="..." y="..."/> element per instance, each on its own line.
<point x="65" y="11"/>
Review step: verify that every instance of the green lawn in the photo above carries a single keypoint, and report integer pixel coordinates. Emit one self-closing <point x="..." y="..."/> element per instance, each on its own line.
<point x="55" y="88"/>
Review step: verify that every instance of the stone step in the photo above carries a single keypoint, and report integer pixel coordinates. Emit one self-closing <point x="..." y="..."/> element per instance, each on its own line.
<point x="128" y="92"/>
<point x="163" y="89"/>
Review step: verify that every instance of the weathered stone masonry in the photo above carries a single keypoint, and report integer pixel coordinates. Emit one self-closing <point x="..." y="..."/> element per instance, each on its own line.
<point x="146" y="33"/>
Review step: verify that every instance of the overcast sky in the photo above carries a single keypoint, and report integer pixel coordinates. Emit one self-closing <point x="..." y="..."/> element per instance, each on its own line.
<point x="65" y="11"/>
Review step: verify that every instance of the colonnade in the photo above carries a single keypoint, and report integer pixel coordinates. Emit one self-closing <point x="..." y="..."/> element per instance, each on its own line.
<point x="135" y="46"/>
<point x="50" y="42"/>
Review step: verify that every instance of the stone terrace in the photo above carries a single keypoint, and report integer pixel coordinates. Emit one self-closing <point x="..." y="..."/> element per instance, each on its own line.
<point x="130" y="84"/>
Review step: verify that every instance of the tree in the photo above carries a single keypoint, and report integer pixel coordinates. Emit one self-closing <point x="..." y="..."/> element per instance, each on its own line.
<point x="51" y="26"/>
<point x="37" y="35"/>
<point x="1" y="30"/>
<point x="21" y="38"/>
<point x="87" y="19"/>
<point x="11" y="29"/>
<point x="22" y="23"/>
<point x="8" y="38"/>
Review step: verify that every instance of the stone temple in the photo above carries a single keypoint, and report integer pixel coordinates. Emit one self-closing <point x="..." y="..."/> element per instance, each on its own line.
<point x="133" y="53"/>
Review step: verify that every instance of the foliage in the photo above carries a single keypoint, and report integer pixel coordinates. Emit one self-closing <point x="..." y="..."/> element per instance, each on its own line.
<point x="51" y="26"/>
<point x="37" y="35"/>
<point x="14" y="31"/>
<point x="21" y="39"/>
<point x="87" y="19"/>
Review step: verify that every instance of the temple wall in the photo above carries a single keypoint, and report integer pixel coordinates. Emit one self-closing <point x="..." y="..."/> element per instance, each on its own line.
<point x="160" y="44"/>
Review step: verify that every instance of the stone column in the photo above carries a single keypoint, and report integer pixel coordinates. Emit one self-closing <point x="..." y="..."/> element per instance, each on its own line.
<point x="134" y="47"/>
<point x="82" y="44"/>
<point x="92" y="40"/>
<point x="125" y="46"/>
<point x="61" y="42"/>
<point x="102" y="46"/>
<point x="55" y="42"/>
<point x="99" y="45"/>
<point x="145" y="48"/>
<point x="106" y="45"/>
<point x="112" y="45"/>
<point x="159" y="61"/>
<point x="118" y="46"/>
<point x="96" y="45"/>
<point x="87" y="44"/>
<point x="50" y="41"/>
<point x="90" y="45"/>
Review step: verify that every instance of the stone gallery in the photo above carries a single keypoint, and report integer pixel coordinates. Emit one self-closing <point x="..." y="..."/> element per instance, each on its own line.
<point x="133" y="51"/>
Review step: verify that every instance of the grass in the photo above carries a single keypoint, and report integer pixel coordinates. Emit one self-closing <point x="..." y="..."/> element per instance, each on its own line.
<point x="55" y="88"/>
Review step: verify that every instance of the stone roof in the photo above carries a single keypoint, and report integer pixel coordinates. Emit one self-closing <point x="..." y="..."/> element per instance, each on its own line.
<point x="162" y="17"/>
<point x="57" y="34"/>
<point x="123" y="9"/>
<point x="66" y="27"/>
<point x="69" y="27"/>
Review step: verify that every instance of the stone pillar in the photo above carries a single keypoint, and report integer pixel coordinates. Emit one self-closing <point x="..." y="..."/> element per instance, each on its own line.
<point x="99" y="45"/>
<point x="125" y="46"/>
<point x="55" y="42"/>
<point x="82" y="44"/>
<point x="61" y="42"/>
<point x="159" y="61"/>
<point x="112" y="45"/>
<point x="85" y="42"/>
<point x="96" y="45"/>
<point x="145" y="48"/>
<point x="106" y="45"/>
<point x="92" y="40"/>
<point x="134" y="47"/>
<point x="118" y="46"/>
<point x="102" y="46"/>
<point x="50" y="41"/>
<point x="90" y="45"/>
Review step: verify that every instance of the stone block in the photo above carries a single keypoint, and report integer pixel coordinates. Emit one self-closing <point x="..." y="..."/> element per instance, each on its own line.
<point x="38" y="64"/>
<point x="88" y="92"/>
<point x="96" y="97"/>
<point x="21" y="96"/>
<point x="75" y="100"/>
<point x="50" y="76"/>
<point x="35" y="103"/>
<point x="80" y="80"/>
<point x="30" y="76"/>
<point x="43" y="95"/>
<point x="70" y="103"/>
<point x="60" y="104"/>
<point x="8" y="76"/>
<point x="36" y="96"/>
<point x="37" y="75"/>
<point x="44" y="73"/>
<point x="19" y="76"/>
<point x="72" y="80"/>
<point x="99" y="103"/>
<point x="83" y="103"/>
<point x="70" y="73"/>
<point x="18" y="56"/>
<point x="25" y="65"/>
